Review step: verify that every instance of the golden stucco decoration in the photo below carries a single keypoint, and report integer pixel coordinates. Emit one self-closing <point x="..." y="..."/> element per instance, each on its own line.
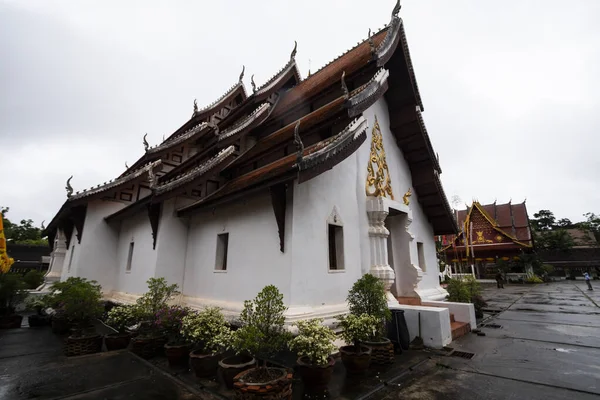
<point x="378" y="183"/>
<point x="406" y="197"/>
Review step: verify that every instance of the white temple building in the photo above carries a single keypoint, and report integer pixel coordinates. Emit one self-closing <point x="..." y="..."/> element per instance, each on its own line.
<point x="304" y="183"/>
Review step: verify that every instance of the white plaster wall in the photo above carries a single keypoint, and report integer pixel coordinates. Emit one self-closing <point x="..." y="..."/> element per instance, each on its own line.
<point x="136" y="229"/>
<point x="313" y="285"/>
<point x="253" y="259"/>
<point x="171" y="244"/>
<point x="65" y="274"/>
<point x="401" y="182"/>
<point x="94" y="257"/>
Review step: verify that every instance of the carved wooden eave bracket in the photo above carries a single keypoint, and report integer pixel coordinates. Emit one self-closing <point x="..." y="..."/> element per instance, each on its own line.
<point x="279" y="201"/>
<point x="379" y="183"/>
<point x="432" y="155"/>
<point x="154" y="217"/>
<point x="365" y="96"/>
<point x="333" y="150"/>
<point x="211" y="164"/>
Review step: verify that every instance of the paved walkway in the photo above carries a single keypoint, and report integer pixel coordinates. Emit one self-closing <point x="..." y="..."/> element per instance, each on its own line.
<point x="543" y="342"/>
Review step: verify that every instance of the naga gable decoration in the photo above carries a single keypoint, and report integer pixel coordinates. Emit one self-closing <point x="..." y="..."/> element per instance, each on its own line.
<point x="379" y="183"/>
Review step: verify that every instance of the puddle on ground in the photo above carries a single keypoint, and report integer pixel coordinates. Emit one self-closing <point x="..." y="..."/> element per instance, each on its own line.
<point x="564" y="350"/>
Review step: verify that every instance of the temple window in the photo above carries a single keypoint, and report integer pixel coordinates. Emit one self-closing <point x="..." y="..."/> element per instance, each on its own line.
<point x="71" y="259"/>
<point x="336" y="247"/>
<point x="129" y="257"/>
<point x="222" y="244"/>
<point x="421" y="253"/>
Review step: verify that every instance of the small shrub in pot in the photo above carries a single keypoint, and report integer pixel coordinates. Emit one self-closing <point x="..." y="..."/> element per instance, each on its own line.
<point x="357" y="329"/>
<point x="314" y="346"/>
<point x="120" y="318"/>
<point x="208" y="331"/>
<point x="12" y="292"/>
<point x="169" y="321"/>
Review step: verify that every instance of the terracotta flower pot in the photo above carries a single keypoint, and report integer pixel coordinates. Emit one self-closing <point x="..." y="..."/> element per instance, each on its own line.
<point x="159" y="344"/>
<point x="204" y="365"/>
<point x="316" y="378"/>
<point x="355" y="362"/>
<point x="232" y="366"/>
<point x="177" y="354"/>
<point x="382" y="352"/>
<point x="82" y="345"/>
<point x="11" y="321"/>
<point x="145" y="346"/>
<point x="117" y="341"/>
<point x="249" y="386"/>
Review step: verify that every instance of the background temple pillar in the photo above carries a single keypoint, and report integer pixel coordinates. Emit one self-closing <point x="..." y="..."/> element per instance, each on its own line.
<point x="377" y="211"/>
<point x="57" y="260"/>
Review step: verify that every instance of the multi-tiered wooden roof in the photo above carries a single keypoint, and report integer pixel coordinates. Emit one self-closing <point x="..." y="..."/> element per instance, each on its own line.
<point x="286" y="129"/>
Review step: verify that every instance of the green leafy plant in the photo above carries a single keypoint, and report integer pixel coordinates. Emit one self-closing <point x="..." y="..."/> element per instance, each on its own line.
<point x="466" y="290"/>
<point x="37" y="304"/>
<point x="367" y="296"/>
<point x="358" y="328"/>
<point x="158" y="294"/>
<point x="534" y="279"/>
<point x="79" y="300"/>
<point x="313" y="341"/>
<point x="122" y="317"/>
<point x="262" y="332"/>
<point x="169" y="320"/>
<point x="12" y="292"/>
<point x="33" y="279"/>
<point x="207" y="329"/>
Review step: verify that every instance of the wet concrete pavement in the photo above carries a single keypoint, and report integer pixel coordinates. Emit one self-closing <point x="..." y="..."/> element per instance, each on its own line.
<point x="547" y="346"/>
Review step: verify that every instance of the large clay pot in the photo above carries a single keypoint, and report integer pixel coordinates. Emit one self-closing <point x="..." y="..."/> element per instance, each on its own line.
<point x="117" y="341"/>
<point x="204" y="365"/>
<point x="249" y="387"/>
<point x="144" y="346"/>
<point x="355" y="362"/>
<point x="82" y="345"/>
<point x="230" y="367"/>
<point x="177" y="354"/>
<point x="11" y="321"/>
<point x="315" y="377"/>
<point x="382" y="353"/>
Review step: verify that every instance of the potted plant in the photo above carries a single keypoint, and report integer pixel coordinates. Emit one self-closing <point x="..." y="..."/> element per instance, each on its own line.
<point x="357" y="329"/>
<point x="169" y="320"/>
<point x="367" y="296"/>
<point x="119" y="318"/>
<point x="81" y="303"/>
<point x="208" y="331"/>
<point x="12" y="292"/>
<point x="314" y="346"/>
<point x="150" y="340"/>
<point x="37" y="305"/>
<point x="262" y="334"/>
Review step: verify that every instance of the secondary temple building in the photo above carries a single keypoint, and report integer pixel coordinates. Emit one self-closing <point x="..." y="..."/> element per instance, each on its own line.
<point x="304" y="183"/>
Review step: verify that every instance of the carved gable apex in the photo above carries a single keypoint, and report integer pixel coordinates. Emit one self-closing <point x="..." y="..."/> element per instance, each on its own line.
<point x="334" y="218"/>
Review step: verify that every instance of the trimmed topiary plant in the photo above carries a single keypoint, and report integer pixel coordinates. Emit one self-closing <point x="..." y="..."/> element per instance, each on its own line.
<point x="356" y="330"/>
<point x="367" y="296"/>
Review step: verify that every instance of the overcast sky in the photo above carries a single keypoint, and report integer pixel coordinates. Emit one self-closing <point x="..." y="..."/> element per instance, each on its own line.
<point x="511" y="89"/>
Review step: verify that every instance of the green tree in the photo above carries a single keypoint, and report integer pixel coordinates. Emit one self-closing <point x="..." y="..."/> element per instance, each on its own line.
<point x="564" y="223"/>
<point x="543" y="220"/>
<point x="23" y="233"/>
<point x="558" y="239"/>
<point x="591" y="224"/>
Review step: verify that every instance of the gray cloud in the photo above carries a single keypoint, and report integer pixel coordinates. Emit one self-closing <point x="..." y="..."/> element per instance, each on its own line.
<point x="510" y="89"/>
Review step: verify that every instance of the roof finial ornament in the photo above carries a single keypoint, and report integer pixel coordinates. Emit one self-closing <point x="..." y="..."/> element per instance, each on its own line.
<point x="299" y="144"/>
<point x="253" y="84"/>
<point x="396" y="9"/>
<point x="371" y="43"/>
<point x="293" y="55"/>
<point x="43" y="226"/>
<point x="163" y="137"/>
<point x="242" y="74"/>
<point x="344" y="87"/>
<point x="69" y="188"/>
<point x="195" y="106"/>
<point x="146" y="145"/>
<point x="126" y="166"/>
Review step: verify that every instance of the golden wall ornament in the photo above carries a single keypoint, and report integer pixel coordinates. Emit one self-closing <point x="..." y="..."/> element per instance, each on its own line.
<point x="406" y="197"/>
<point x="378" y="182"/>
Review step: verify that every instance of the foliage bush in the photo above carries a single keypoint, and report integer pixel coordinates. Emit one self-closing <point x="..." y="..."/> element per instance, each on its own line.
<point x="79" y="300"/>
<point x="156" y="298"/>
<point x="314" y="341"/>
<point x="169" y="319"/>
<point x="33" y="279"/>
<point x="122" y="317"/>
<point x="466" y="290"/>
<point x="358" y="328"/>
<point x="262" y="332"/>
<point x="534" y="279"/>
<point x="12" y="292"/>
<point x="367" y="296"/>
<point x="207" y="329"/>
